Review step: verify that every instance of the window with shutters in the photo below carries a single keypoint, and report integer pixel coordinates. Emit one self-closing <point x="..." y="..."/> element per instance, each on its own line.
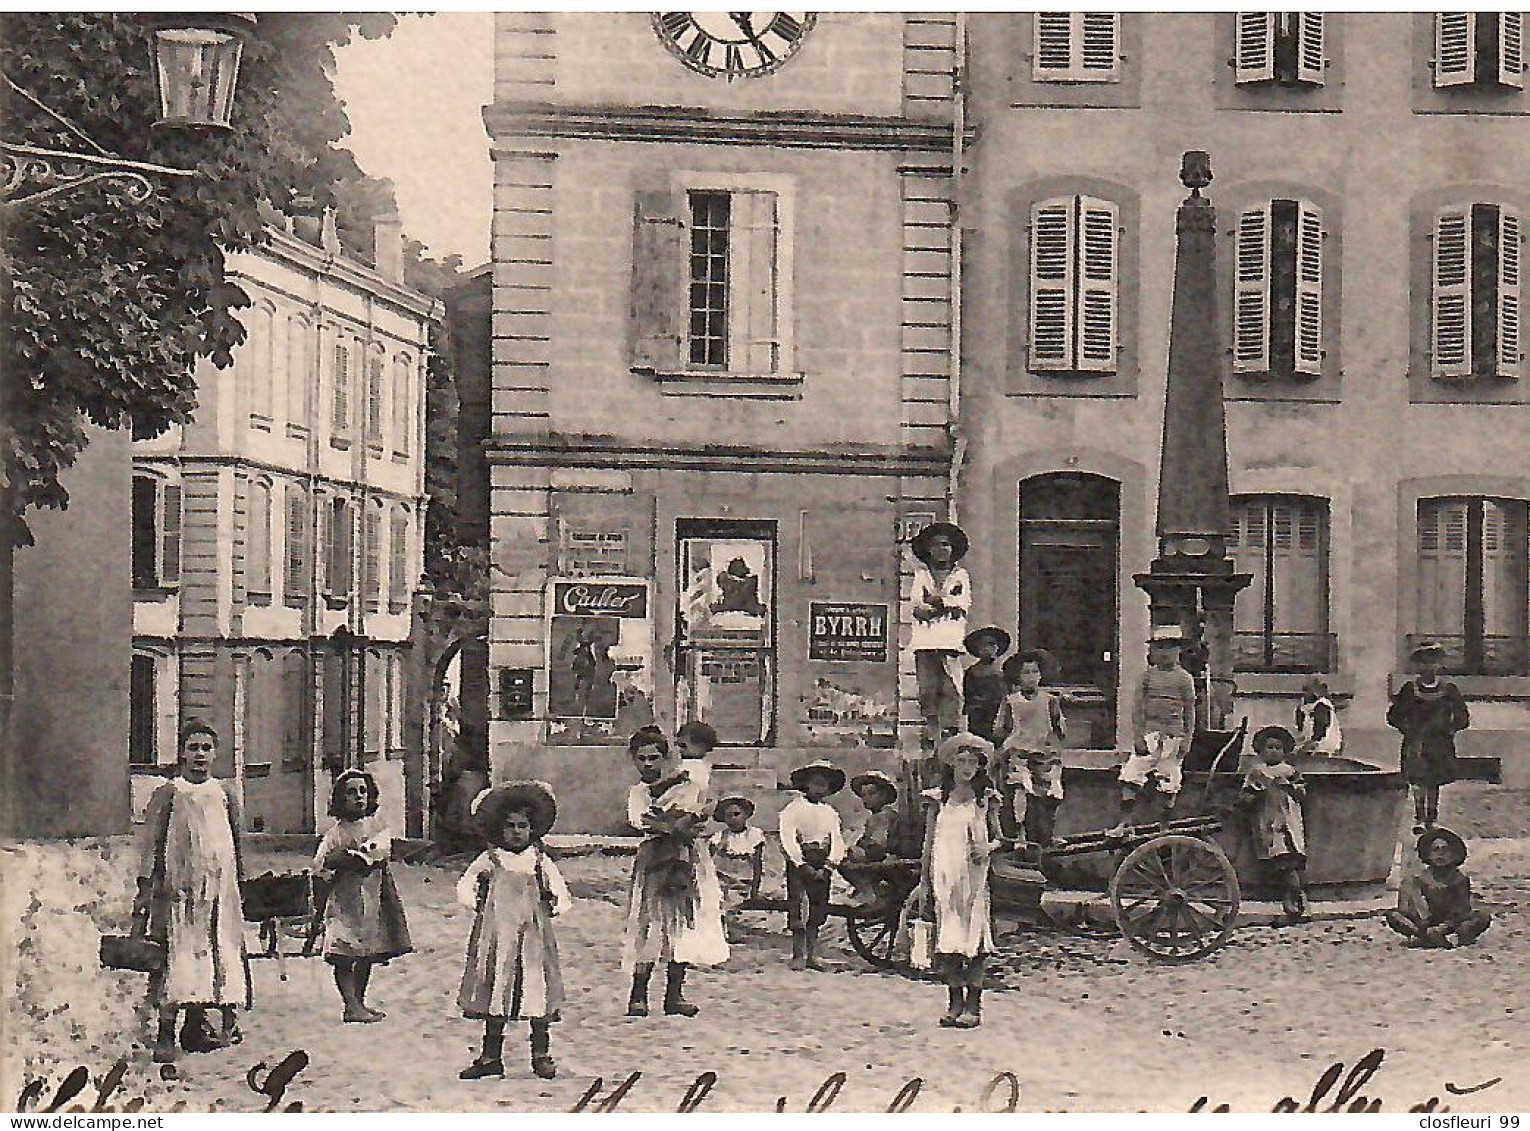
<point x="371" y="560"/>
<point x="403" y="406"/>
<point x="375" y="395"/>
<point x="340" y="388"/>
<point x="296" y="572"/>
<point x="1472" y="595"/>
<point x="1280" y="621"/>
<point x="143" y="712"/>
<point x="156" y="543"/>
<point x="337" y="549"/>
<point x="1277" y="325"/>
<point x="1475" y="276"/>
<point x="254" y="363"/>
<point x="257" y="559"/>
<point x="1074" y="281"/>
<point x="1281" y="48"/>
<point x="300" y="374"/>
<point x="711" y="284"/>
<point x="1479" y="51"/>
<point x="398" y="562"/>
<point x="1076" y="47"/>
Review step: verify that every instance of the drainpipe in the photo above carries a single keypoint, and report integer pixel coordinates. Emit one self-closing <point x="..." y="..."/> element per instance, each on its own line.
<point x="958" y="146"/>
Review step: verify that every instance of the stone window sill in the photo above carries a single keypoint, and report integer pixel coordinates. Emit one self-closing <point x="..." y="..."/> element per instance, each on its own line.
<point x="343" y="443"/>
<point x="1288" y="685"/>
<point x="263" y="423"/>
<point x="297" y="432"/>
<point x="155" y="593"/>
<point x="258" y="600"/>
<point x="714" y="383"/>
<point x="336" y="601"/>
<point x="400" y="457"/>
<point x="257" y="769"/>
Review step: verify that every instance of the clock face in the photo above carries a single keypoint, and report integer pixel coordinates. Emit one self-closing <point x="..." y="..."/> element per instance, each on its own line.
<point x="733" y="44"/>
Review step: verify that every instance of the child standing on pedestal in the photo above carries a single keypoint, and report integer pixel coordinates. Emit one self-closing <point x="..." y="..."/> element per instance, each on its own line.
<point x="942" y="597"/>
<point x="1031" y="728"/>
<point x="813" y="845"/>
<point x="1163" y="721"/>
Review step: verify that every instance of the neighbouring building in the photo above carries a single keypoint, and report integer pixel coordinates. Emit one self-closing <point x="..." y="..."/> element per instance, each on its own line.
<point x="771" y="290"/>
<point x="277" y="540"/>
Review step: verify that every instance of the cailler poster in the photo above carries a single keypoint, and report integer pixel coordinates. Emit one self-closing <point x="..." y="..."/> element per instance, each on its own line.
<point x="599" y="658"/>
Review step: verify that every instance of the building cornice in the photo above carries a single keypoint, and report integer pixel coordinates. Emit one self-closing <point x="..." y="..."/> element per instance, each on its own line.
<point x="208" y="463"/>
<point x="792" y="129"/>
<point x="556" y="450"/>
<point x="303" y="256"/>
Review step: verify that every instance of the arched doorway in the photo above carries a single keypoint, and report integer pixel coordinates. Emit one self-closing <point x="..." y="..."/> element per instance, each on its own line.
<point x="1069" y="537"/>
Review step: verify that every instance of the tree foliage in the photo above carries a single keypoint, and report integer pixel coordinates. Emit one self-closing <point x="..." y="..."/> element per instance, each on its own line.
<point x="114" y="301"/>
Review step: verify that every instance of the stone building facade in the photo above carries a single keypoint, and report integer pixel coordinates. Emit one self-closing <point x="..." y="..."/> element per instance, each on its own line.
<point x="278" y="540"/>
<point x="743" y="347"/>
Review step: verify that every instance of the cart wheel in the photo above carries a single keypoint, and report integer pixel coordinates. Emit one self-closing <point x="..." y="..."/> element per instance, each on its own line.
<point x="1175" y="897"/>
<point x="876" y="939"/>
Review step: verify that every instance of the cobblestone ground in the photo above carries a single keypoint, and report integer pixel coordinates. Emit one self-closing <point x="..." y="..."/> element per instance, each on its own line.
<point x="1080" y="1023"/>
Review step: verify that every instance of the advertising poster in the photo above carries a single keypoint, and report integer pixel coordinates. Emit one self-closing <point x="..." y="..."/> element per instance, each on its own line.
<point x="599" y="659"/>
<point x="847" y="630"/>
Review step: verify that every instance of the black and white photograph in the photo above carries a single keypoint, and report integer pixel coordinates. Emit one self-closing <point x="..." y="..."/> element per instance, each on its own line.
<point x="765" y="562"/>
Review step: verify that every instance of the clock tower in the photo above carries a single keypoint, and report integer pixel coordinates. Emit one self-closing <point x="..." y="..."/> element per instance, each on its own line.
<point x="722" y="344"/>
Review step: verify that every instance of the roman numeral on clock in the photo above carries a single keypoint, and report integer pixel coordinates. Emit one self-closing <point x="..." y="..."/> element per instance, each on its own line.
<point x="786" y="26"/>
<point x="675" y="22"/>
<point x="700" y="49"/>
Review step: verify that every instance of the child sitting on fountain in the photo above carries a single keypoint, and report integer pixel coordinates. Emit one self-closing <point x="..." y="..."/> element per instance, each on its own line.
<point x="1163" y="719"/>
<point x="1435" y="901"/>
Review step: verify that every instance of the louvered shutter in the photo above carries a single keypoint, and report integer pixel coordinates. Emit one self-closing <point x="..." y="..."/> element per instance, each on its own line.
<point x="753" y="345"/>
<point x="299" y="349"/>
<point x="371" y="558"/>
<point x="1100" y="46"/>
<point x="257" y="357"/>
<point x="1052" y="56"/>
<point x="296" y="579"/>
<point x="145" y="516"/>
<point x="1254" y="47"/>
<point x="1455" y="48"/>
<point x="1096" y="317"/>
<point x="1311" y="51"/>
<point x="1309" y="289"/>
<point x="1511" y="236"/>
<point x="1051" y="313"/>
<point x="1247" y="550"/>
<point x="342" y="389"/>
<point x="258" y="524"/>
<point x="170" y="535"/>
<point x="374" y="397"/>
<point x="403" y="406"/>
<point x="659" y="306"/>
<point x="398" y="567"/>
<point x="1504" y="605"/>
<point x="337" y="575"/>
<point x="1251" y="300"/>
<point x="1298" y="580"/>
<point x="1511" y="49"/>
<point x="1450" y="302"/>
<point x="1442" y="567"/>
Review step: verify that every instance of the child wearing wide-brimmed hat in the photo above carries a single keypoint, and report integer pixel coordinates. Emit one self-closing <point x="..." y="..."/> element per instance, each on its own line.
<point x="1429" y="711"/>
<point x="1274" y="790"/>
<point x="1163" y="721"/>
<point x="738" y="850"/>
<point x="863" y="866"/>
<point x="814" y="845"/>
<point x="983" y="685"/>
<point x="942" y="598"/>
<point x="514" y="890"/>
<point x="1434" y="902"/>
<point x="961" y="834"/>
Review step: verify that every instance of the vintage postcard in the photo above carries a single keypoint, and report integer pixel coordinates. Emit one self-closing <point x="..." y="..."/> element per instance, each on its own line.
<point x="734" y="562"/>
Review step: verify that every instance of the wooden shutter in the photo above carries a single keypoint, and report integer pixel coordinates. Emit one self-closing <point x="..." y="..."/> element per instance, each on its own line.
<point x="296" y="579"/>
<point x="1246" y="547"/>
<point x="299" y="371"/>
<point x="1096" y="317"/>
<point x="1311" y="51"/>
<point x="374" y="397"/>
<point x="1076" y="47"/>
<point x="258" y="526"/>
<point x="143" y="710"/>
<point x="342" y="390"/>
<point x="170" y="535"/>
<point x="398" y="563"/>
<point x="1455" y="48"/>
<point x="1254" y="47"/>
<point x="371" y="574"/>
<point x="1510" y="345"/>
<point x="1251" y="299"/>
<point x="1309" y="289"/>
<point x="1052" y="56"/>
<point x="1052" y="284"/>
<point x="753" y="246"/>
<point x="257" y="357"/>
<point x="1442" y="566"/>
<point x="659" y="307"/>
<point x="338" y="569"/>
<point x="1511" y="49"/>
<point x="1099" y="46"/>
<point x="1296" y="568"/>
<point x="145" y="532"/>
<point x="403" y="404"/>
<point x="1450" y="300"/>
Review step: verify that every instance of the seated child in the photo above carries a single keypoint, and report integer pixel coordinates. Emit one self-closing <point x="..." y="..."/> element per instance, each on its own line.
<point x="1163" y="719"/>
<point x="983" y="684"/>
<point x="738" y="850"/>
<point x="1274" y="791"/>
<point x="1435" y="901"/>
<point x="1030" y="729"/>
<point x="878" y="793"/>
<point x="813" y="845"/>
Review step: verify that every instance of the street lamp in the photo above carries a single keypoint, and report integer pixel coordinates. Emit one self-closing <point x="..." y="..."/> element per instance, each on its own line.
<point x="196" y="65"/>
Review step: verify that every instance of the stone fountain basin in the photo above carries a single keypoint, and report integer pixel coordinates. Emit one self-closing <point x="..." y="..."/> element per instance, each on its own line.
<point x="1353" y="815"/>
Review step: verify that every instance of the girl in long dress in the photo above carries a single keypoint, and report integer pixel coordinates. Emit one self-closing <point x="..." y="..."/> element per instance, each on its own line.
<point x="1274" y="790"/>
<point x="961" y="834"/>
<point x="364" y="924"/>
<point x="674" y="905"/>
<point x="512" y="971"/>
<point x="188" y="897"/>
<point x="1429" y="712"/>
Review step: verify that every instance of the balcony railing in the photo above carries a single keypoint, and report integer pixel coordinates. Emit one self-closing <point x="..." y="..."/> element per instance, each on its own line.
<point x="1487" y="655"/>
<point x="1285" y="651"/>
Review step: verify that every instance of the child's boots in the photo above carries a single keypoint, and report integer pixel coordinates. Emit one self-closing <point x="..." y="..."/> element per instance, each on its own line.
<point x="674" y="993"/>
<point x="541" y="1045"/>
<point x="954" y="1008"/>
<point x="799" y="950"/>
<point x="637" y="1000"/>
<point x="810" y="949"/>
<point x="490" y="1062"/>
<point x="972" y="1011"/>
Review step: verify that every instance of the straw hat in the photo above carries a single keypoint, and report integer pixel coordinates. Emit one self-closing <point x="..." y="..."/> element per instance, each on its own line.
<point x="975" y="639"/>
<point x="1287" y="739"/>
<point x="835" y="776"/>
<point x="1457" y="845"/>
<point x="920" y="546"/>
<point x="947" y="751"/>
<point x="490" y="808"/>
<point x="876" y="778"/>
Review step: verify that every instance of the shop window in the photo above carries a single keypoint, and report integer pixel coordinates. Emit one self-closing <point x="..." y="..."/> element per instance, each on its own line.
<point x="1280" y="621"/>
<point x="725" y="627"/>
<point x="1472" y="591"/>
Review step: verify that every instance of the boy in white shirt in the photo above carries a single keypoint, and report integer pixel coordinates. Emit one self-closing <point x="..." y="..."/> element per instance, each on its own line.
<point x="942" y="598"/>
<point x="813" y="845"/>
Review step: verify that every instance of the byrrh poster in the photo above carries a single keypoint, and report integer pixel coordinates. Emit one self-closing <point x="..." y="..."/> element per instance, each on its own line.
<point x="513" y="523"/>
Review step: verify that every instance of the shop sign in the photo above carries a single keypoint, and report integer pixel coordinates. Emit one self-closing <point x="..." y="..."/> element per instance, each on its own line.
<point x="908" y="526"/>
<point x="599" y="659"/>
<point x="843" y="630"/>
<point x="627" y="600"/>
